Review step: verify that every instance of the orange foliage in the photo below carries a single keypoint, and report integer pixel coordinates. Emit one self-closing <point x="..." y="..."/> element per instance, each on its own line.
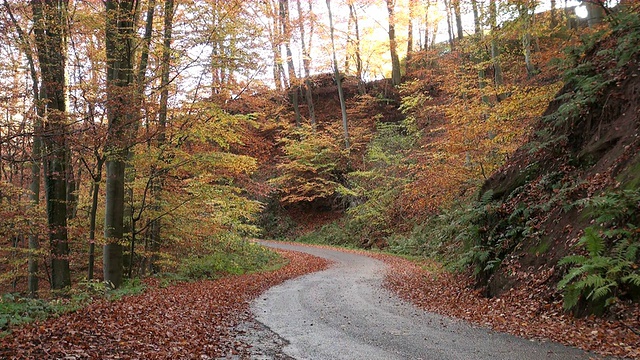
<point x="467" y="131"/>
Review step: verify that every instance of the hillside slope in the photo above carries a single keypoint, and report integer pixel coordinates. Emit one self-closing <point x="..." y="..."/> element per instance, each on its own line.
<point x="574" y="188"/>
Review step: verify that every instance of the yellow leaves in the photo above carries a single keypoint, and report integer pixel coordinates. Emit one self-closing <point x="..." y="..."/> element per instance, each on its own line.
<point x="194" y="181"/>
<point x="468" y="133"/>
<point x="309" y="166"/>
<point x="205" y="122"/>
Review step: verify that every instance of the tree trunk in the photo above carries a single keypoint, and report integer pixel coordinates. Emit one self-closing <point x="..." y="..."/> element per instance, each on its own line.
<point x="526" y="14"/>
<point x="426" y="26"/>
<point x="95" y="188"/>
<point x="477" y="22"/>
<point x="306" y="62"/>
<point x="358" y="55"/>
<point x="336" y="73"/>
<point x="495" y="50"/>
<point x="36" y="151"/>
<point x="119" y="51"/>
<point x="50" y="25"/>
<point x="447" y="5"/>
<point x="293" y="79"/>
<point x="393" y="48"/>
<point x="458" y="15"/>
<point x="158" y="182"/>
<point x="36" y="154"/>
<point x="144" y="53"/>
<point x="482" y="76"/>
<point x="73" y="184"/>
<point x="412" y="5"/>
<point x="554" y="14"/>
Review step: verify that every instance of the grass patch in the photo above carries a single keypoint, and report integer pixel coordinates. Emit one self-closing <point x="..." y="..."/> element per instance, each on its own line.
<point x="16" y="310"/>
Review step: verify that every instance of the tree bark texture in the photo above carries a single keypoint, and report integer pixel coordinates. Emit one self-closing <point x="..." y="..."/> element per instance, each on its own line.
<point x="50" y="29"/>
<point x="158" y="181"/>
<point x="495" y="50"/>
<point x="36" y="151"/>
<point x="119" y="50"/>
<point x="458" y="14"/>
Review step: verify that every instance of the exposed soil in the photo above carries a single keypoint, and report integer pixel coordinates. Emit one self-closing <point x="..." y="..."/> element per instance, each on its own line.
<point x="600" y="152"/>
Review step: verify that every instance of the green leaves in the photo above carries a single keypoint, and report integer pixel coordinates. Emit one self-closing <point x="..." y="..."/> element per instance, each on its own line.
<point x="311" y="168"/>
<point x="610" y="268"/>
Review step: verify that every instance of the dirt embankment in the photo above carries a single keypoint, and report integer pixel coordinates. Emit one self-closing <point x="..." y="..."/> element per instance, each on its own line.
<point x="588" y="143"/>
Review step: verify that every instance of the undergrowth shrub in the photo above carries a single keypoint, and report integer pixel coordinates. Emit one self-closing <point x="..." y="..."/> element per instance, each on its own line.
<point x="341" y="232"/>
<point x="610" y="268"/>
<point x="240" y="259"/>
<point x="16" y="309"/>
<point x="445" y="236"/>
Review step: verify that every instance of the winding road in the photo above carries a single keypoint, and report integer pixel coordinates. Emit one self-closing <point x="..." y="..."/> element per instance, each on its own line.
<point x="345" y="313"/>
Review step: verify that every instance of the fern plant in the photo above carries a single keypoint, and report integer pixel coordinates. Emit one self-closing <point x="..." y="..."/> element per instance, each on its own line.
<point x="610" y="269"/>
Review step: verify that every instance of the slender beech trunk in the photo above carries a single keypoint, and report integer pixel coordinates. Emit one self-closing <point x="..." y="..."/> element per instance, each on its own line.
<point x="447" y="4"/>
<point x="412" y="5"/>
<point x="495" y="50"/>
<point x="554" y="14"/>
<point x="36" y="150"/>
<point x="349" y="46"/>
<point x="50" y="26"/>
<point x="482" y="76"/>
<point x="458" y="15"/>
<point x="73" y="184"/>
<point x="476" y="18"/>
<point x="36" y="154"/>
<point x="95" y="191"/>
<point x="426" y="26"/>
<point x="120" y="18"/>
<point x="306" y="61"/>
<point x="358" y="56"/>
<point x="336" y="73"/>
<point x="293" y="79"/>
<point x="393" y="47"/>
<point x="275" y="39"/>
<point x="526" y="15"/>
<point x="158" y="181"/>
<point x="144" y="53"/>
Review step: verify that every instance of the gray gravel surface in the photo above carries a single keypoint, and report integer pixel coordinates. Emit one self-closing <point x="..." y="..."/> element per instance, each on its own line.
<point x="345" y="313"/>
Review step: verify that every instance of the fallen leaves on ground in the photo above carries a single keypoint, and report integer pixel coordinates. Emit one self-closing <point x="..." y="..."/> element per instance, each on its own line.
<point x="186" y="321"/>
<point x="523" y="311"/>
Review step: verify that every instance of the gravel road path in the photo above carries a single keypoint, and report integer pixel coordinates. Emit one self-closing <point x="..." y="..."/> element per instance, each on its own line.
<point x="345" y="313"/>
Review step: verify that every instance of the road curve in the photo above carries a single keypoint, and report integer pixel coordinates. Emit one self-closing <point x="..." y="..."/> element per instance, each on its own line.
<point x="345" y="313"/>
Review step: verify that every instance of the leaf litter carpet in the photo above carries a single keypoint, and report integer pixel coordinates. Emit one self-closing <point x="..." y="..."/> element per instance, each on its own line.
<point x="526" y="310"/>
<point x="184" y="321"/>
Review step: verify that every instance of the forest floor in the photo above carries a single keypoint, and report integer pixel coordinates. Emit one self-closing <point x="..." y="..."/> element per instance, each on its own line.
<point x="200" y="319"/>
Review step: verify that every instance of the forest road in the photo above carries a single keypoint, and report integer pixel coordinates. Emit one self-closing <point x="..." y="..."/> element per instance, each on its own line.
<point x="345" y="313"/>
